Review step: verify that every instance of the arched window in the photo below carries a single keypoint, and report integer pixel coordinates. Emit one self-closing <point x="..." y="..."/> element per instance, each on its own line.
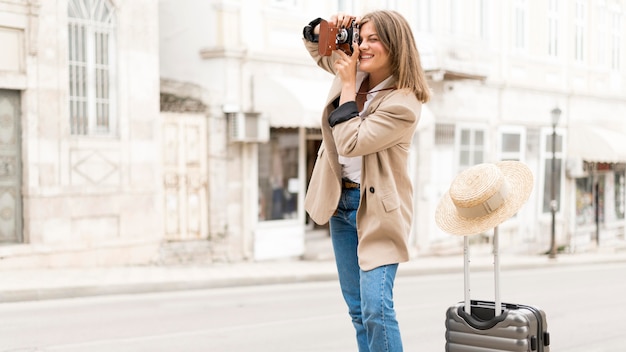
<point x="91" y="35"/>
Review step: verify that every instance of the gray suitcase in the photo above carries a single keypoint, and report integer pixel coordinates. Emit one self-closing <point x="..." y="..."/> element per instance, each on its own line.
<point x="474" y="326"/>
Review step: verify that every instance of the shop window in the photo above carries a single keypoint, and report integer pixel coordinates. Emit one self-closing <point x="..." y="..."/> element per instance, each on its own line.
<point x="278" y="175"/>
<point x="619" y="195"/>
<point x="584" y="202"/>
<point x="600" y="198"/>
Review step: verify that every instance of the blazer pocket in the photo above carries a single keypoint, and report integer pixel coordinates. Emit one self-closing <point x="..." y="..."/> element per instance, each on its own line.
<point x="391" y="202"/>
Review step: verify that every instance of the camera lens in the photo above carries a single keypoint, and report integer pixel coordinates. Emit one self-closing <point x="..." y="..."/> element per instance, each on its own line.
<point x="342" y="36"/>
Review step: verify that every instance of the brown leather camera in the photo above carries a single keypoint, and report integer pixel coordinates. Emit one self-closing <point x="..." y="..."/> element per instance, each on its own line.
<point x="332" y="38"/>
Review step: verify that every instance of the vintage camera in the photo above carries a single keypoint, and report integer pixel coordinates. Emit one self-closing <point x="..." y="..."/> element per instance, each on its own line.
<point x="332" y="38"/>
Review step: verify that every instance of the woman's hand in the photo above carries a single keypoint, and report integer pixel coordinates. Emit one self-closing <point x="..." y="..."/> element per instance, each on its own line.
<point x="341" y="20"/>
<point x="345" y="66"/>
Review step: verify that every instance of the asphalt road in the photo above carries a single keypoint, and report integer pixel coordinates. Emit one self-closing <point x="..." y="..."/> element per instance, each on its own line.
<point x="584" y="306"/>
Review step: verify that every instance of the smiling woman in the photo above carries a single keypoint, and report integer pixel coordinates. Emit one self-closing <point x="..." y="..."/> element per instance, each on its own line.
<point x="360" y="179"/>
<point x="374" y="56"/>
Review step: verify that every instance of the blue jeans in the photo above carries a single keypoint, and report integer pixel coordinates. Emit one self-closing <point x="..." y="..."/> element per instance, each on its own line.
<point x="368" y="294"/>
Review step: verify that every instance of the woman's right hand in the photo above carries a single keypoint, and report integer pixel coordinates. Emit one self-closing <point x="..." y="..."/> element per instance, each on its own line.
<point x="346" y="67"/>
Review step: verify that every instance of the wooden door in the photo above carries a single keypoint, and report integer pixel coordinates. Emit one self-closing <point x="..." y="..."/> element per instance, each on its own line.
<point x="185" y="170"/>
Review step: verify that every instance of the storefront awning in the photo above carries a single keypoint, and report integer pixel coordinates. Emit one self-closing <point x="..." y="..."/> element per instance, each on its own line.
<point x="289" y="101"/>
<point x="597" y="144"/>
<point x="297" y="102"/>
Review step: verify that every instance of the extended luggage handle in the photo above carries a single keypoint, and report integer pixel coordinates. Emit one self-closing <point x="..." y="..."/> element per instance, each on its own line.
<point x="496" y="272"/>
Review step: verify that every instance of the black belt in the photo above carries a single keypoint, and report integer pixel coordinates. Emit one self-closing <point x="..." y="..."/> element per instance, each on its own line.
<point x="349" y="184"/>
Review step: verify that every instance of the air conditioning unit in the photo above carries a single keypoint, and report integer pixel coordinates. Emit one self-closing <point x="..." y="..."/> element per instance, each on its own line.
<point x="249" y="127"/>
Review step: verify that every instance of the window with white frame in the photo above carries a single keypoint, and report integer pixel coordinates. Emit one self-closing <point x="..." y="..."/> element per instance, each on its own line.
<point x="512" y="142"/>
<point x="484" y="22"/>
<point x="91" y="38"/>
<point x="519" y="24"/>
<point x="616" y="40"/>
<point x="470" y="145"/>
<point x="580" y="28"/>
<point x="602" y="33"/>
<point x="553" y="28"/>
<point x="424" y="15"/>
<point x="455" y="16"/>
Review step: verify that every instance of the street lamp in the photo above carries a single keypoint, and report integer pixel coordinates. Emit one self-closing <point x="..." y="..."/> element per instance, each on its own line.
<point x="556" y="114"/>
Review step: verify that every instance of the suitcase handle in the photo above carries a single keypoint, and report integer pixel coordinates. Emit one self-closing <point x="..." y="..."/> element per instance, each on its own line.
<point x="496" y="273"/>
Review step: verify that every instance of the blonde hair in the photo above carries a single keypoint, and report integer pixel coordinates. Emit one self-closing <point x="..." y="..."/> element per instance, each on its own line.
<point x="395" y="34"/>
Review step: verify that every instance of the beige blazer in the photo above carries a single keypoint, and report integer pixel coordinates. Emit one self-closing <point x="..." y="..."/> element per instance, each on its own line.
<point x="383" y="138"/>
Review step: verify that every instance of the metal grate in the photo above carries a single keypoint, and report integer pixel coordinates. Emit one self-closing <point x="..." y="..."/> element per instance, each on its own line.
<point x="444" y="134"/>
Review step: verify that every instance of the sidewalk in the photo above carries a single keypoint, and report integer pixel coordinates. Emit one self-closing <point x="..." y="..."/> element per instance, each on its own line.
<point x="39" y="284"/>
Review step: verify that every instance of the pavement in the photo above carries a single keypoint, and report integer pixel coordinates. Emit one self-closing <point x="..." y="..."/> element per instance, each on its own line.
<point x="59" y="283"/>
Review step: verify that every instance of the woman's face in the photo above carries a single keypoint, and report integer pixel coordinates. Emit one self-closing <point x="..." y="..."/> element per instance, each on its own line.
<point x="373" y="58"/>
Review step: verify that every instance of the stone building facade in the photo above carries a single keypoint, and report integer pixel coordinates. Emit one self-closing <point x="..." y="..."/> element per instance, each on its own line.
<point x="185" y="130"/>
<point x="79" y="101"/>
<point x="497" y="70"/>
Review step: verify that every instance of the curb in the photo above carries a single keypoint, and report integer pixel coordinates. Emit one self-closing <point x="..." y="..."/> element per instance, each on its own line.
<point x="164" y="279"/>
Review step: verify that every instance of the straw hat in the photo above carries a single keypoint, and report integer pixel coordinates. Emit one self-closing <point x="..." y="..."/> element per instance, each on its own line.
<point x="484" y="196"/>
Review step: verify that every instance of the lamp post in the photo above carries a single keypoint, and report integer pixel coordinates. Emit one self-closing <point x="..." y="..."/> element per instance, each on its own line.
<point x="555" y="114"/>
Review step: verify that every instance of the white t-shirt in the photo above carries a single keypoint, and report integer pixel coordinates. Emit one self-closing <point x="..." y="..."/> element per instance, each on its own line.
<point x="351" y="166"/>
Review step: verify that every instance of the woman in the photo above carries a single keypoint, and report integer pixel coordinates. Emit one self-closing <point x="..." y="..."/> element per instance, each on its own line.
<point x="360" y="179"/>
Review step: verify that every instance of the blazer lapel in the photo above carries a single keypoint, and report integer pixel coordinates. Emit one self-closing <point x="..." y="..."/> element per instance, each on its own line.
<point x="373" y="105"/>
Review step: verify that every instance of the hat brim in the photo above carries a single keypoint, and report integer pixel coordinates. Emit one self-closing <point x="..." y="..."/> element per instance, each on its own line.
<point x="520" y="181"/>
